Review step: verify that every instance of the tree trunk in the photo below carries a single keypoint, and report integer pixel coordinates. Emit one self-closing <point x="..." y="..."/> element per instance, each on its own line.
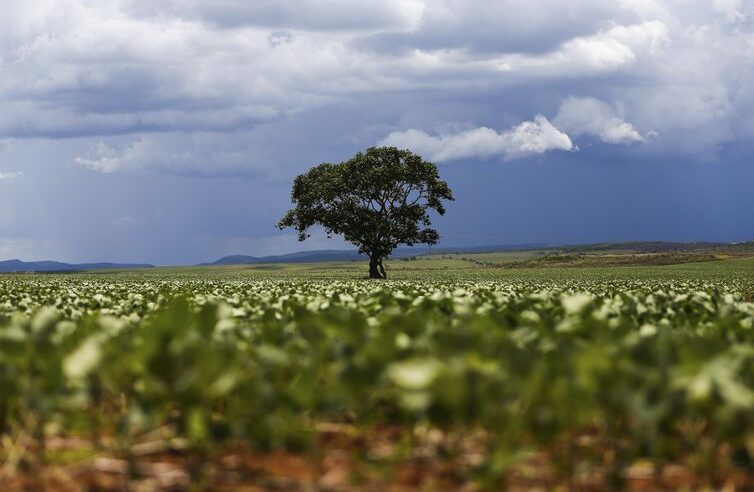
<point x="382" y="269"/>
<point x="374" y="267"/>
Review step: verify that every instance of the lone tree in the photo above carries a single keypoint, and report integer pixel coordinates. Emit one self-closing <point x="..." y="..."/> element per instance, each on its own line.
<point x="376" y="200"/>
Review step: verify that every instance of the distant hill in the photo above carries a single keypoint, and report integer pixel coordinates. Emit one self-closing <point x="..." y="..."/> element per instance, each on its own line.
<point x="300" y="257"/>
<point x="11" y="266"/>
<point x="326" y="255"/>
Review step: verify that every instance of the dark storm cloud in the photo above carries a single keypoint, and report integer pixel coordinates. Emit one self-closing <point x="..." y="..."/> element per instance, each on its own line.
<point x="74" y="68"/>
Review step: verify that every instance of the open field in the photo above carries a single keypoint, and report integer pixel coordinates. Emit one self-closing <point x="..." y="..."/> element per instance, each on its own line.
<point x="452" y="375"/>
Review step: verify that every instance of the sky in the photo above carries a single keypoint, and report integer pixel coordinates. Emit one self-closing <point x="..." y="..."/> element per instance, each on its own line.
<point x="170" y="132"/>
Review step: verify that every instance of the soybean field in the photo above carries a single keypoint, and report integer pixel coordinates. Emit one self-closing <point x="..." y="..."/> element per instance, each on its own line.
<point x="453" y="375"/>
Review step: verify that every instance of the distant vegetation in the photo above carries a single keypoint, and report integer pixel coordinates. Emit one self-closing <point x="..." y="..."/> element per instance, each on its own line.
<point x="558" y="259"/>
<point x="664" y="247"/>
<point x="607" y="255"/>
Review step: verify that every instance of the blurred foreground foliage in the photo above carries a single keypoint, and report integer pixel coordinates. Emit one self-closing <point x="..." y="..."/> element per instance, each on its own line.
<point x="601" y="376"/>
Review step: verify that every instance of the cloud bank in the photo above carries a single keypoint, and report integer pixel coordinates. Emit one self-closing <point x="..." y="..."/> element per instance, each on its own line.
<point x="79" y="69"/>
<point x="529" y="138"/>
<point x="589" y="116"/>
<point x="577" y="117"/>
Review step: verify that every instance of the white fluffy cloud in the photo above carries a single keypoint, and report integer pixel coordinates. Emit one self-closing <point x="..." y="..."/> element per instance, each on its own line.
<point x="198" y="153"/>
<point x="613" y="49"/>
<point x="106" y="159"/>
<point x="528" y="138"/>
<point x="577" y="117"/>
<point x="589" y="116"/>
<point x="4" y="176"/>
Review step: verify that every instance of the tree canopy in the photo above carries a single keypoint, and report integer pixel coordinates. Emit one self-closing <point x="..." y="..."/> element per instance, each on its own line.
<point x="376" y="200"/>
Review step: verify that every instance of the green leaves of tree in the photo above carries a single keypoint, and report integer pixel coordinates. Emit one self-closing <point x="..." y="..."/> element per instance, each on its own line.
<point x="376" y="200"/>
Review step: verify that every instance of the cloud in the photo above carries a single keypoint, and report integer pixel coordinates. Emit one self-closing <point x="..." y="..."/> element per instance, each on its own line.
<point x="589" y="116"/>
<point x="576" y="117"/>
<point x="529" y="138"/>
<point x="535" y="26"/>
<point x="81" y="69"/>
<point x="74" y="68"/>
<point x="368" y="15"/>
<point x="196" y="154"/>
<point x="732" y="10"/>
<point x="105" y="159"/>
<point x="610" y="50"/>
<point x="5" y="176"/>
<point x="126" y="221"/>
<point x="148" y="152"/>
